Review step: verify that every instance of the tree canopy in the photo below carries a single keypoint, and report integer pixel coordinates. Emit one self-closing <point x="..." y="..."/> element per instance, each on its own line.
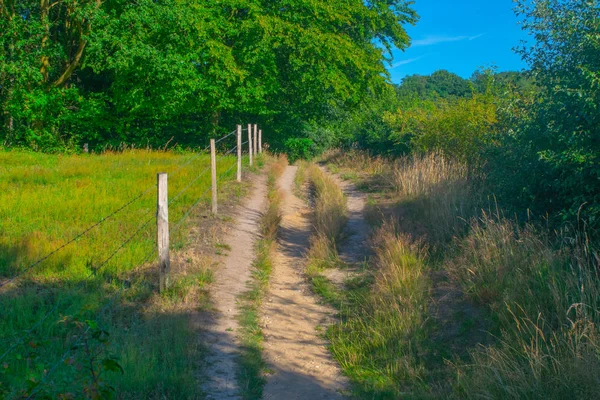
<point x="117" y="71"/>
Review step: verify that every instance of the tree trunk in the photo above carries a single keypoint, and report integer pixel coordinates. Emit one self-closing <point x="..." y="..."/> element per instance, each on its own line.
<point x="45" y="61"/>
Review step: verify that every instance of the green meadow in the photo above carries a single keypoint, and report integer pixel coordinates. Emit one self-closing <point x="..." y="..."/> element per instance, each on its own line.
<point x="98" y="323"/>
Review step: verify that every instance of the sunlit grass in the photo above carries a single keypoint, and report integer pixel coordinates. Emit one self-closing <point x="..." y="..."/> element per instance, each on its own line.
<point x="45" y="201"/>
<point x="517" y="303"/>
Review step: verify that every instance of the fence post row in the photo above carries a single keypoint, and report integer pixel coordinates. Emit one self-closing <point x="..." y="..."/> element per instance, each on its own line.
<point x="162" y="225"/>
<point x="162" y="204"/>
<point x="255" y="139"/>
<point x="213" y="163"/>
<point x="250" y="143"/>
<point x="239" y="153"/>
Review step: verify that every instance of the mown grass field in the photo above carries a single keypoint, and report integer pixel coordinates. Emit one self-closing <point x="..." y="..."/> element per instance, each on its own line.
<point x="45" y="201"/>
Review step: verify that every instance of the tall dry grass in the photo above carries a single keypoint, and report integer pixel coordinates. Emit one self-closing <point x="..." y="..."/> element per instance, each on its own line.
<point x="543" y="292"/>
<point x="433" y="195"/>
<point x="358" y="161"/>
<point x="436" y="196"/>
<point x="329" y="220"/>
<point x="538" y="290"/>
<point x="329" y="205"/>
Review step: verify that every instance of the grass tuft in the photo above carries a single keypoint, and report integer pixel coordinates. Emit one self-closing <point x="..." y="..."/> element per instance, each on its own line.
<point x="384" y="327"/>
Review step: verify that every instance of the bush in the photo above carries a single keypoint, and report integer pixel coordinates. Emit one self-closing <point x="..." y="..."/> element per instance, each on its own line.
<point x="299" y="148"/>
<point x="458" y="128"/>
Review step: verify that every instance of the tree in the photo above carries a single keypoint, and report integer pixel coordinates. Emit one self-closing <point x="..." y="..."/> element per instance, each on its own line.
<point x="563" y="133"/>
<point x="441" y="84"/>
<point x="145" y="72"/>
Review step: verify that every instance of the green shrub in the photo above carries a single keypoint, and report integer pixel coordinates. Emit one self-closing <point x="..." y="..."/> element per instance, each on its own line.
<point x="299" y="148"/>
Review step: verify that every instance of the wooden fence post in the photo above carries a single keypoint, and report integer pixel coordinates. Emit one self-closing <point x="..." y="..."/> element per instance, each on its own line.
<point x="213" y="163"/>
<point x="86" y="148"/>
<point x="255" y="139"/>
<point x="250" y="143"/>
<point x="162" y="225"/>
<point x="260" y="141"/>
<point x="239" y="153"/>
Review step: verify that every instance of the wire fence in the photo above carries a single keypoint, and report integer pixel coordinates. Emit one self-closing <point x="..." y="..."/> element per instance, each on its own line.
<point x="95" y="271"/>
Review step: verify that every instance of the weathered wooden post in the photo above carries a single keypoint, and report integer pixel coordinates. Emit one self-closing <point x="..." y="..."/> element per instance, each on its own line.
<point x="260" y="140"/>
<point x="255" y="139"/>
<point x="162" y="225"/>
<point x="239" y="153"/>
<point x="213" y="163"/>
<point x="250" y="143"/>
<point x="86" y="148"/>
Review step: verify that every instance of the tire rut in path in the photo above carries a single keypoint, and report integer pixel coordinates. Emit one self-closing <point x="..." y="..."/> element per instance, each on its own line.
<point x="354" y="249"/>
<point x="218" y="330"/>
<point x="297" y="355"/>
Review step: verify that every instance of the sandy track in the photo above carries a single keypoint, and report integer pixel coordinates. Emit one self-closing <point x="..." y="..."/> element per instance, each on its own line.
<point x="301" y="365"/>
<point x="354" y="249"/>
<point x="219" y="328"/>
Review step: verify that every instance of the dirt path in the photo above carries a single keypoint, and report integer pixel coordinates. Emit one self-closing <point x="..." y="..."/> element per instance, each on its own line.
<point x="354" y="249"/>
<point x="301" y="365"/>
<point x="219" y="329"/>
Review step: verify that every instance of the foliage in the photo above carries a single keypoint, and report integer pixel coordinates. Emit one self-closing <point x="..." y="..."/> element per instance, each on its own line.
<point x="477" y="305"/>
<point x="559" y="139"/>
<point x="299" y="149"/>
<point x="534" y="133"/>
<point x="459" y="128"/>
<point x="117" y="72"/>
<point x="441" y="84"/>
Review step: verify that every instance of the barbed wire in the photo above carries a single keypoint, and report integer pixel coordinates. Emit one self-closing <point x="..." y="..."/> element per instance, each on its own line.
<point x="79" y="235"/>
<point x="187" y="213"/>
<point x="77" y="287"/>
<point x="104" y="219"/>
<point x="114" y="297"/>
<point x="181" y="192"/>
<point x="111" y="256"/>
<point x="231" y="150"/>
<point x="225" y="137"/>
<point x="202" y="152"/>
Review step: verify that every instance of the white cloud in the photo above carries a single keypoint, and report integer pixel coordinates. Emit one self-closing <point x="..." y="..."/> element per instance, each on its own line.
<point x="477" y="36"/>
<point x="407" y="61"/>
<point x="433" y="40"/>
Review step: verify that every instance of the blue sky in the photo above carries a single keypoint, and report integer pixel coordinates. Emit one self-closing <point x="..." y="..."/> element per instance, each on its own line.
<point x="460" y="36"/>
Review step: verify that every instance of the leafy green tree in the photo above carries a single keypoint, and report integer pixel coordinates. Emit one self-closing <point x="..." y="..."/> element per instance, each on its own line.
<point x="460" y="128"/>
<point x="159" y="70"/>
<point x="441" y="84"/>
<point x="557" y="141"/>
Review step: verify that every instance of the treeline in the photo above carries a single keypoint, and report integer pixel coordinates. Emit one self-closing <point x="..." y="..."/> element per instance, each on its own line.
<point x="535" y="134"/>
<point x="155" y="71"/>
